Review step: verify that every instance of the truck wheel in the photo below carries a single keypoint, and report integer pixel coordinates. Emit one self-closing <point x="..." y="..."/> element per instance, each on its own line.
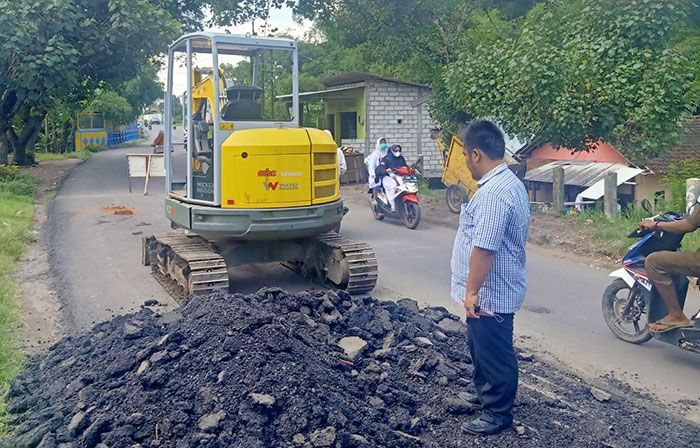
<point x="456" y="196"/>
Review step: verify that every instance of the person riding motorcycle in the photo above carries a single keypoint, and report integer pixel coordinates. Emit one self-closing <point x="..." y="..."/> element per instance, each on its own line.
<point x="386" y="170"/>
<point x="662" y="266"/>
<point x="372" y="161"/>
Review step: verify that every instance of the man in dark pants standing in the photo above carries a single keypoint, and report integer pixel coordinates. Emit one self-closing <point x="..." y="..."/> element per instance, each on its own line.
<point x="488" y="273"/>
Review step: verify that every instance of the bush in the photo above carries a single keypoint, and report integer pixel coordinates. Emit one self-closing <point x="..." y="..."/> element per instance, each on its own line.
<point x="14" y="181"/>
<point x="674" y="181"/>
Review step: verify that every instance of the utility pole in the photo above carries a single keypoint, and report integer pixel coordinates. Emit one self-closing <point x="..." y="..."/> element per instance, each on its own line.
<point x="558" y="190"/>
<point x="610" y="198"/>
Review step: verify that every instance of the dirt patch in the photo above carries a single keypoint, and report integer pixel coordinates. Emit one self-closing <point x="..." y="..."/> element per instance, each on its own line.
<point x="306" y="370"/>
<point x="118" y="210"/>
<point x="41" y="323"/>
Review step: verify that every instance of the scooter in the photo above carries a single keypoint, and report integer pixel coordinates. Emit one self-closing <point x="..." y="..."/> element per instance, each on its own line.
<point x="406" y="203"/>
<point x="632" y="302"/>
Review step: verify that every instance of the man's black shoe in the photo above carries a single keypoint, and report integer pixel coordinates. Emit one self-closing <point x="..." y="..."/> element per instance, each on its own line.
<point x="484" y="424"/>
<point x="471" y="398"/>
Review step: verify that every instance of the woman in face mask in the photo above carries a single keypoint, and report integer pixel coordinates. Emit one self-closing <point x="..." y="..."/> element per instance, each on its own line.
<point x="388" y="164"/>
<point x="372" y="161"/>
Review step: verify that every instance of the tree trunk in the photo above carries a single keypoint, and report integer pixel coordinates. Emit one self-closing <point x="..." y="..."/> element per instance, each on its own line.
<point x="3" y="149"/>
<point x="27" y="138"/>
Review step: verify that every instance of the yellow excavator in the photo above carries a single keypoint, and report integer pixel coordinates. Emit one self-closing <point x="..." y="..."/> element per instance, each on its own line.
<point x="254" y="186"/>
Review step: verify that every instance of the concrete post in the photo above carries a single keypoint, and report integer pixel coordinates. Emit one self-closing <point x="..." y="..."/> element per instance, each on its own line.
<point x="558" y="190"/>
<point x="692" y="192"/>
<point x="610" y="197"/>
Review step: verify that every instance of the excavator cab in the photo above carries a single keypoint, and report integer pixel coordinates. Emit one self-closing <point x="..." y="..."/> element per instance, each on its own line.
<point x="246" y="152"/>
<point x="252" y="186"/>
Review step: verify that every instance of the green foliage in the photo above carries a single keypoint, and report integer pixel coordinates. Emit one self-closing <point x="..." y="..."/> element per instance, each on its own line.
<point x="13" y="181"/>
<point x="573" y="73"/>
<point x="16" y="212"/>
<point x="66" y="50"/>
<point x="116" y="108"/>
<point x="612" y="233"/>
<point x="675" y="179"/>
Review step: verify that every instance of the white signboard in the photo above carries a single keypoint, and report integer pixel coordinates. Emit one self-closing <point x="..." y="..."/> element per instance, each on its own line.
<point x="145" y="165"/>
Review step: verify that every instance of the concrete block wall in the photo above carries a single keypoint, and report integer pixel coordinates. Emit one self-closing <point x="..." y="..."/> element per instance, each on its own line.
<point x="390" y="102"/>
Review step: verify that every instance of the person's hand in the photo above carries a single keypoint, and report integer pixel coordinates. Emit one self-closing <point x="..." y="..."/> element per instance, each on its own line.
<point x="471" y="302"/>
<point x="417" y="171"/>
<point x="648" y="224"/>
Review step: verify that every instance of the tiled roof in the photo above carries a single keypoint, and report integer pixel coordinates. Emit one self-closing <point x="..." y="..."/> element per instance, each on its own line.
<point x="689" y="149"/>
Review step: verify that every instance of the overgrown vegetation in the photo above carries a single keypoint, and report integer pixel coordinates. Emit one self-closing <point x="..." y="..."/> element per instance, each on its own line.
<point x="16" y="213"/>
<point x="612" y="233"/>
<point x="675" y="180"/>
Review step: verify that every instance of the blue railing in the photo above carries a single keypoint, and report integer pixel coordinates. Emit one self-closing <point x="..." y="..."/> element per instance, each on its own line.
<point x="118" y="137"/>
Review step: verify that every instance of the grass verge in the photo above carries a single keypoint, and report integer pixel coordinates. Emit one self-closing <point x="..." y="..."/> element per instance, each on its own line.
<point x="16" y="214"/>
<point x="43" y="156"/>
<point x="613" y="232"/>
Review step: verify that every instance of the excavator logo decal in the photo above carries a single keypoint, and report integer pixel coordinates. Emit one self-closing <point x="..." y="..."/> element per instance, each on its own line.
<point x="267" y="173"/>
<point x="270" y="185"/>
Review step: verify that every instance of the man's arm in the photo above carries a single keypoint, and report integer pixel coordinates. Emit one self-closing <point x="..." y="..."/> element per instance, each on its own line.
<point x="687" y="225"/>
<point x="480" y="264"/>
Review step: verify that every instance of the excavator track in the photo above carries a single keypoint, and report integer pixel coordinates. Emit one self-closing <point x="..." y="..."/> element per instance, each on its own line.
<point x="348" y="265"/>
<point x="185" y="265"/>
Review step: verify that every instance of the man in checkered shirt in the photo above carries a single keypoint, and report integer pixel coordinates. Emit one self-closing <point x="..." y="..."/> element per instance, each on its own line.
<point x="488" y="273"/>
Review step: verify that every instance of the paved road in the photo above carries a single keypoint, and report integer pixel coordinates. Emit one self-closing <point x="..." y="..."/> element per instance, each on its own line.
<point x="97" y="256"/>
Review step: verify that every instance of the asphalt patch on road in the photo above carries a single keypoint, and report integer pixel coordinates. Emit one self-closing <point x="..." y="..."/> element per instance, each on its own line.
<point x="276" y="369"/>
<point x="118" y="210"/>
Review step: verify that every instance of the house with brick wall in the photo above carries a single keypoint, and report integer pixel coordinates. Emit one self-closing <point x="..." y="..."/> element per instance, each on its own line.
<point x="359" y="108"/>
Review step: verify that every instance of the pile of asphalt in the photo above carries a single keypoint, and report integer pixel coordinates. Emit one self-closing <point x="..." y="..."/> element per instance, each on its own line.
<point x="276" y="369"/>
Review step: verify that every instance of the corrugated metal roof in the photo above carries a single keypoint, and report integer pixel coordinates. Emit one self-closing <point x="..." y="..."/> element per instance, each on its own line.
<point x="580" y="174"/>
<point x="353" y="77"/>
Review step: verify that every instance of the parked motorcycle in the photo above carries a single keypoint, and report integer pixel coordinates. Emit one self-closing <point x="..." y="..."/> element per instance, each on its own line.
<point x="632" y="302"/>
<point x="406" y="204"/>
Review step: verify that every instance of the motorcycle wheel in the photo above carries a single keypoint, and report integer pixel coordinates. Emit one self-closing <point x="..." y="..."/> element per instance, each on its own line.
<point x="411" y="215"/>
<point x="615" y="297"/>
<point x="455" y="197"/>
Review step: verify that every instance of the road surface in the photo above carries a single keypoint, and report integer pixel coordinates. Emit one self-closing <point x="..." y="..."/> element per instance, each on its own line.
<point x="96" y="256"/>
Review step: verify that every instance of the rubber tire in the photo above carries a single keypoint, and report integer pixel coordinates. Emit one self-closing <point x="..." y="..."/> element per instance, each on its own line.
<point x="454" y="195"/>
<point x="416" y="211"/>
<point x="378" y="216"/>
<point x="608" y="306"/>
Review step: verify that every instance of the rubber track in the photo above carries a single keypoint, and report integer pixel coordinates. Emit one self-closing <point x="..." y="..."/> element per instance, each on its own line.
<point x="362" y="262"/>
<point x="200" y="269"/>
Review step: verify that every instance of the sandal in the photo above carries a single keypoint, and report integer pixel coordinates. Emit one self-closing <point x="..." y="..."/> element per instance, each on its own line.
<point x="669" y="326"/>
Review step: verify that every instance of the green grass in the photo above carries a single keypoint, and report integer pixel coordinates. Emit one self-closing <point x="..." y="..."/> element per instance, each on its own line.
<point x="43" y="156"/>
<point x="612" y="233"/>
<point x="16" y="214"/>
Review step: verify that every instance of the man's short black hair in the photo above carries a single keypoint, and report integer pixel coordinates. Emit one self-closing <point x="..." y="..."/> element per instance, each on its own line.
<point x="486" y="136"/>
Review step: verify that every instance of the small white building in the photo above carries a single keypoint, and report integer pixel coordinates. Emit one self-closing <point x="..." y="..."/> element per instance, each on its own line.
<point x="359" y="108"/>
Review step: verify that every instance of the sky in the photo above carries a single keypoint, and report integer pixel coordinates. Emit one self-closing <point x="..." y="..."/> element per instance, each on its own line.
<point x="279" y="18"/>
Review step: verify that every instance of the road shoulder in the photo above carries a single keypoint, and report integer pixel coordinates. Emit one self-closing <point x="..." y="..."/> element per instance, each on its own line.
<point x="41" y="323"/>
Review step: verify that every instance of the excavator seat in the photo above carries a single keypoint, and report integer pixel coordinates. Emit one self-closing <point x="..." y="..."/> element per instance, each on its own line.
<point x="243" y="103"/>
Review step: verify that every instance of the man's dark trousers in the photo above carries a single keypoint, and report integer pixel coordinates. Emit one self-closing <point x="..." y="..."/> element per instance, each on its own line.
<point x="495" y="365"/>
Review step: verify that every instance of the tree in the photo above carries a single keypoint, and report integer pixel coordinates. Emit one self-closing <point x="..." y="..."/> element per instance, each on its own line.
<point x="68" y="49"/>
<point x="573" y="73"/>
<point x="114" y="107"/>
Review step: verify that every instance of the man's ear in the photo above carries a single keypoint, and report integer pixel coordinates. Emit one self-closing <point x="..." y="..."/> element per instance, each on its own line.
<point x="476" y="155"/>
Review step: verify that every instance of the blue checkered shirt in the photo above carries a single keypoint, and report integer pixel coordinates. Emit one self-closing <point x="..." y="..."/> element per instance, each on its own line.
<point x="496" y="219"/>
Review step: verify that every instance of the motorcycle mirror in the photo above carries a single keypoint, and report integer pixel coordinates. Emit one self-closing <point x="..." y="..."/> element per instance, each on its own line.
<point x="646" y="205"/>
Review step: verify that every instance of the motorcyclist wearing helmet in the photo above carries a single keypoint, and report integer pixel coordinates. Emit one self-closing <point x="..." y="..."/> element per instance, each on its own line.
<point x="388" y="165"/>
<point x="662" y="266"/>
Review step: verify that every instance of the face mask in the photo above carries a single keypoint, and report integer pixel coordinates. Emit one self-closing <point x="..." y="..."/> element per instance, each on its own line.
<point x="383" y="147"/>
<point x="396" y="153"/>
